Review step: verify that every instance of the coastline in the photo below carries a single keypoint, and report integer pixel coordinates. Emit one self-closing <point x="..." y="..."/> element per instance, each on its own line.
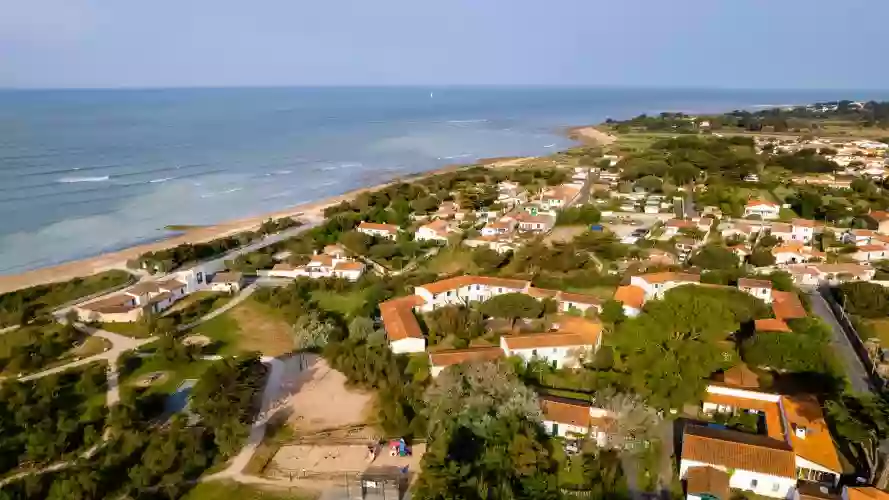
<point x="311" y="211"/>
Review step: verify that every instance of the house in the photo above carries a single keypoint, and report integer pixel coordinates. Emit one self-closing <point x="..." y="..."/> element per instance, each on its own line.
<point x="673" y="226"/>
<point x="656" y="284"/>
<point x="870" y="253"/>
<point x="571" y="418"/>
<point x="685" y="245"/>
<point x="571" y="341"/>
<point x="765" y="210"/>
<point x="771" y="325"/>
<point x="323" y="266"/>
<point x="761" y="289"/>
<point x="707" y="483"/>
<point x="740" y="230"/>
<point x="130" y="305"/>
<point x="864" y="493"/>
<point x="794" y="253"/>
<point x="389" y="231"/>
<point x="632" y="298"/>
<point x="336" y="251"/>
<point x="465" y="289"/>
<point x="495" y="243"/>
<point x="786" y="305"/>
<point x="439" y="360"/>
<point x="881" y="219"/>
<point x="792" y="442"/>
<point x="802" y="230"/>
<point x="858" y="236"/>
<point x="661" y="258"/>
<point x="782" y="231"/>
<point x="832" y="274"/>
<point x="502" y="227"/>
<point x="741" y="250"/>
<point x="570" y="302"/>
<point x="436" y="230"/>
<point x="540" y="223"/>
<point x="227" y="281"/>
<point x="448" y="210"/>
<point x="402" y="328"/>
<point x="560" y="197"/>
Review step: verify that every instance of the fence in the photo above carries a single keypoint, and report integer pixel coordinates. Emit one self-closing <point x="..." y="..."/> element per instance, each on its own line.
<point x="851" y="333"/>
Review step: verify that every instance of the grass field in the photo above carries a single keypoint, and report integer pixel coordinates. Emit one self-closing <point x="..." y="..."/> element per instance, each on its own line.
<point x="136" y="330"/>
<point x="225" y="489"/>
<point x="176" y="373"/>
<point x="880" y="329"/>
<point x="251" y="326"/>
<point x="343" y="303"/>
<point x="451" y="260"/>
<point x="216" y="300"/>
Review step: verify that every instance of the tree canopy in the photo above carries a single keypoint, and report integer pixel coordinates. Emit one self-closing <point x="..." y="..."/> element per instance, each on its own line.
<point x="512" y="306"/>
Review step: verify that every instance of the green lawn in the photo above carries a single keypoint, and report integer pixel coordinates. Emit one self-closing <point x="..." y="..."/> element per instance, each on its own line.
<point x="880" y="329"/>
<point x="136" y="329"/>
<point x="177" y="372"/>
<point x="224" y="489"/>
<point x="451" y="260"/>
<point x="222" y="329"/>
<point x="345" y="303"/>
<point x="249" y="327"/>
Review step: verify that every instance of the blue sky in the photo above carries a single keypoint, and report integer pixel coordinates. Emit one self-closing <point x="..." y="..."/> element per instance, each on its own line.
<point x="820" y="44"/>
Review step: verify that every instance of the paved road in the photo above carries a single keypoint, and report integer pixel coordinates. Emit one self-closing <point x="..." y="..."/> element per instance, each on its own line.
<point x="855" y="370"/>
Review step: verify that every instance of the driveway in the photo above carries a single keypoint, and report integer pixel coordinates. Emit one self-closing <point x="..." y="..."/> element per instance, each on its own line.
<point x="841" y="344"/>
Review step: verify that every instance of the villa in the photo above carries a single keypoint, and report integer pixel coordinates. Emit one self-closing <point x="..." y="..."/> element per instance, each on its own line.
<point x="566" y="346"/>
<point x="389" y="231"/>
<point x="437" y="230"/>
<point x="766" y="210"/>
<point x="570" y="418"/>
<point x="130" y="305"/>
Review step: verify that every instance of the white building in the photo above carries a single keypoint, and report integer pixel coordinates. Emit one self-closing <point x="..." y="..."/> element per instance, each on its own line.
<point x="465" y="289"/>
<point x="761" y="289"/>
<point x="227" y="281"/>
<point x="793" y="441"/>
<point x="439" y="360"/>
<point x="572" y="341"/>
<point x="402" y="329"/>
<point x="321" y="266"/>
<point x="569" y="419"/>
<point x="654" y="285"/>
<point x="795" y="253"/>
<point x="764" y="209"/>
<point x="437" y="230"/>
<point x="151" y="297"/>
<point x="539" y="223"/>
<point x="560" y="197"/>
<point x="870" y="253"/>
<point x="389" y="231"/>
<point x="502" y="227"/>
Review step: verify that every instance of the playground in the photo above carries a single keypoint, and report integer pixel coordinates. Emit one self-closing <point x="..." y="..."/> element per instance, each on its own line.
<point x="313" y="460"/>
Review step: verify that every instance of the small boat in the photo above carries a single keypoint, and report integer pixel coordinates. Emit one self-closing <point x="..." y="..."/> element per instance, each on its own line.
<point x="549" y="146"/>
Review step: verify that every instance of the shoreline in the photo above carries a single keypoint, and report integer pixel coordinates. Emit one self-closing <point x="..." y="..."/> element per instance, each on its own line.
<point x="310" y="211"/>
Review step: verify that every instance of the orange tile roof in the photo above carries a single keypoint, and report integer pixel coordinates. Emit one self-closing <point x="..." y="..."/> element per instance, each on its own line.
<point x="283" y="266"/>
<point x="786" y="305"/>
<point x="322" y="260"/>
<point x="392" y="228"/>
<point x="771" y="325"/>
<point x="570" y="334"/>
<point x="803" y="222"/>
<point x="664" y="277"/>
<point x="817" y="446"/>
<point x="461" y="281"/>
<point x="335" y="249"/>
<point x="863" y="232"/>
<point x="630" y="295"/>
<point x="707" y="480"/>
<point x="867" y="493"/>
<point x="871" y="248"/>
<point x="752" y="283"/>
<point x="741" y="376"/>
<point x="398" y="318"/>
<point x="566" y="411"/>
<point x="579" y="298"/>
<point x="348" y="266"/>
<point x="879" y="215"/>
<point x="541" y="293"/>
<point x="755" y="203"/>
<point x="450" y="357"/>
<point x="738" y="451"/>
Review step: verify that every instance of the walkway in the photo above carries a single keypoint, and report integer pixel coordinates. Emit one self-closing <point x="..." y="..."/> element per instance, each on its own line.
<point x="240" y="297"/>
<point x="257" y="431"/>
<point x="119" y="345"/>
<point x="855" y="370"/>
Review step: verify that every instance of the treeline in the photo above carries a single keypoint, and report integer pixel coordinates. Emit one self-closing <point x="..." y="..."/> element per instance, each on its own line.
<point x="50" y="419"/>
<point x="21" y="306"/>
<point x="683" y="159"/>
<point x="34" y="346"/>
<point x="140" y="458"/>
<point x="584" y="214"/>
<point x="170" y="259"/>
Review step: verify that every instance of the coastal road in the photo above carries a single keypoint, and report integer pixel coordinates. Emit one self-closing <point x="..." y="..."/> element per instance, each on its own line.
<point x="855" y="370"/>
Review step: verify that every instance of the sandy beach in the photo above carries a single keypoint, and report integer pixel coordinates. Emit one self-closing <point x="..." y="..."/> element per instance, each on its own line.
<point x="313" y="211"/>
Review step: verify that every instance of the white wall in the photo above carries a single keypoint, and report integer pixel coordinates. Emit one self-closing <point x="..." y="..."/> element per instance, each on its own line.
<point x="408" y="345"/>
<point x="766" y="484"/>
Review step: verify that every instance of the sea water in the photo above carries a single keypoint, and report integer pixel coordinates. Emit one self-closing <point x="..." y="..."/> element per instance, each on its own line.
<point x="89" y="171"/>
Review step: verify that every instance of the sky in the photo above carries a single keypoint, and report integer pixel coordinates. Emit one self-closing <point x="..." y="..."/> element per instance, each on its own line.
<point x="795" y="44"/>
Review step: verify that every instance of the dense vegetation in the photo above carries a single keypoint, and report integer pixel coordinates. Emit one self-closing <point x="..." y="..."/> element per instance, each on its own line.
<point x="58" y="417"/>
<point x="32" y="347"/>
<point x="21" y="306"/>
<point x="169" y="259"/>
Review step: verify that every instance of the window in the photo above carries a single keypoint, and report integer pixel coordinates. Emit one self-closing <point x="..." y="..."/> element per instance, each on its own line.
<point x="776" y="487"/>
<point x="753" y="483"/>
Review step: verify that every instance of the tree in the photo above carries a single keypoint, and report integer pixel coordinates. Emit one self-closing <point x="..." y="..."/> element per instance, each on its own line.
<point x="864" y="422"/>
<point x="670" y="350"/>
<point x="512" y="306"/>
<point x="861" y="298"/>
<point x="762" y="257"/>
<point x="650" y="183"/>
<point x="462" y="323"/>
<point x="485" y="438"/>
<point x="310" y="332"/>
<point x="361" y="328"/>
<point x="612" y="312"/>
<point x="714" y="257"/>
<point x="486" y="258"/>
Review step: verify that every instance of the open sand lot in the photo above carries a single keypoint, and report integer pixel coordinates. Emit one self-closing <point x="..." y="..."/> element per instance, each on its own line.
<point x="319" y="459"/>
<point x="321" y="401"/>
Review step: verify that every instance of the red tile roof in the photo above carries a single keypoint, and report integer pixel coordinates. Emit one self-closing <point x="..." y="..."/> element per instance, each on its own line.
<point x="786" y="305"/>
<point x="771" y="325"/>
<point x="737" y="450"/>
<point x="630" y="296"/>
<point x="398" y="318"/>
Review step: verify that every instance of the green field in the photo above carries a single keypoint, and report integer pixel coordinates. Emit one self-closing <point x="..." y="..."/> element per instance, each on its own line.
<point x="249" y="327"/>
<point x="345" y="303"/>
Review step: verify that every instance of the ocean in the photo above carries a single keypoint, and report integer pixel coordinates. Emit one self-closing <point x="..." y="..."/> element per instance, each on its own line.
<point x="84" y="172"/>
